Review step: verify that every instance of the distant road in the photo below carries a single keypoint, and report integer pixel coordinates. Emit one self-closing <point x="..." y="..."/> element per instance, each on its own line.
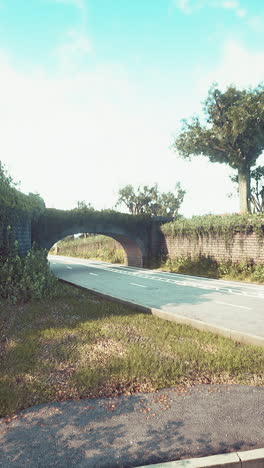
<point x="238" y="307"/>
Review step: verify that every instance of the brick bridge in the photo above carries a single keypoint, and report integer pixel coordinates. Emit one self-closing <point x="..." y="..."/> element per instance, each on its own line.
<point x="140" y="236"/>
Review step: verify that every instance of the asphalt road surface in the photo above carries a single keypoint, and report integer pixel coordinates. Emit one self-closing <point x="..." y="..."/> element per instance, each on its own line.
<point x="224" y="304"/>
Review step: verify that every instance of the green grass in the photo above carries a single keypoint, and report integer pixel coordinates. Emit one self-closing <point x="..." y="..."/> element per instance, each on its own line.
<point x="77" y="345"/>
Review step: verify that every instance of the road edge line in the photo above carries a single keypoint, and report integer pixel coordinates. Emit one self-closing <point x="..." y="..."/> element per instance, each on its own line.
<point x="241" y="337"/>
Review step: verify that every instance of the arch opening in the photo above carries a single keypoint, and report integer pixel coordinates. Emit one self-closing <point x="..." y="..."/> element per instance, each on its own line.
<point x="132" y="252"/>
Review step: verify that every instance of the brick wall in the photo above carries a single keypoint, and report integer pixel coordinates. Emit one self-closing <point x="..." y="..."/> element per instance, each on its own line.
<point x="23" y="235"/>
<point x="243" y="246"/>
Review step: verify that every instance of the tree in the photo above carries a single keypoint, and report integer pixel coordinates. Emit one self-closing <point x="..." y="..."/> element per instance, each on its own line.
<point x="256" y="189"/>
<point x="82" y="205"/>
<point x="234" y="133"/>
<point x="148" y="200"/>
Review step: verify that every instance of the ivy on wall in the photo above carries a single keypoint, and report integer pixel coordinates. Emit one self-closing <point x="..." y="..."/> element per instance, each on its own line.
<point x="15" y="208"/>
<point x="53" y="221"/>
<point x="225" y="226"/>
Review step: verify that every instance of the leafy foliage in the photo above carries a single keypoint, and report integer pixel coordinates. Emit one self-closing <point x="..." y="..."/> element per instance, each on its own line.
<point x="36" y="205"/>
<point x="226" y="226"/>
<point x="13" y="206"/>
<point x="53" y="221"/>
<point x="234" y="133"/>
<point x="208" y="267"/>
<point x="26" y="278"/>
<point x="148" y="200"/>
<point x="12" y="199"/>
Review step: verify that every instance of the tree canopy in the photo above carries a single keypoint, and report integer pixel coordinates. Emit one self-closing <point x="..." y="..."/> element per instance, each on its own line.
<point x="148" y="200"/>
<point x="233" y="133"/>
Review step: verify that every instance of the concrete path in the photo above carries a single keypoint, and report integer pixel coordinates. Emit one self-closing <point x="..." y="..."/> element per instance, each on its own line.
<point x="231" y="308"/>
<point x="130" y="431"/>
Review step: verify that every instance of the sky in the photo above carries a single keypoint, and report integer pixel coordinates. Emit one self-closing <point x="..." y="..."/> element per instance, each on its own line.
<point x="93" y="94"/>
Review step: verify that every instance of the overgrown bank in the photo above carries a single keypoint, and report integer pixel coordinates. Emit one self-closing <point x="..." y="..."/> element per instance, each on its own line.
<point x="227" y="246"/>
<point x="210" y="268"/>
<point x="216" y="225"/>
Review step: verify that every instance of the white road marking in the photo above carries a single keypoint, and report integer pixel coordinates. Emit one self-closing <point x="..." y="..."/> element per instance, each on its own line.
<point x="233" y="305"/>
<point x="141" y="285"/>
<point x="53" y="263"/>
<point x="94" y="274"/>
<point x="70" y="268"/>
<point x="193" y="283"/>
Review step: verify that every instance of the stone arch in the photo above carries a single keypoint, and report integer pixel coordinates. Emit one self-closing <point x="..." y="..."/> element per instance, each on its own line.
<point x="134" y="248"/>
<point x="133" y="253"/>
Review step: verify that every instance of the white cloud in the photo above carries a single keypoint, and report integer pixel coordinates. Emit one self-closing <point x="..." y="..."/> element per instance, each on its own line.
<point x="73" y="49"/>
<point x="233" y="5"/>
<point x="256" y="23"/>
<point x="85" y="136"/>
<point x="238" y="65"/>
<point x="183" y="5"/>
<point x="190" y="6"/>
<point x="229" y="4"/>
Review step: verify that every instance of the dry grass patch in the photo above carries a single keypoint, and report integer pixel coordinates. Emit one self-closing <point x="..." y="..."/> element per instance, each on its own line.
<point x="103" y="350"/>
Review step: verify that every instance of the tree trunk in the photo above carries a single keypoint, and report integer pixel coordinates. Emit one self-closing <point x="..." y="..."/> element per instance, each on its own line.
<point x="244" y="189"/>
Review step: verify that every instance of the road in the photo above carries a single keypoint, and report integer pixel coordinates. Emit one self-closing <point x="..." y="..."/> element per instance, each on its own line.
<point x="234" y="306"/>
<point x="136" y="430"/>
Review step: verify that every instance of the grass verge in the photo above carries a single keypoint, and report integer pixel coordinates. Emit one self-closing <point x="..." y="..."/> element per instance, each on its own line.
<point x="77" y="345"/>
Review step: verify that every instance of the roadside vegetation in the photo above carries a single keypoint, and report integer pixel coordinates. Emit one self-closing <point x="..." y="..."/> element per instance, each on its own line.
<point x="96" y="247"/>
<point x="209" y="268"/>
<point x="22" y="277"/>
<point x="105" y="249"/>
<point x="77" y="345"/>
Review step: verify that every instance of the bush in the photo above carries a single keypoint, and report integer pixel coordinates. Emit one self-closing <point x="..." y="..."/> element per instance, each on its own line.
<point x="208" y="267"/>
<point x="258" y="274"/>
<point x="200" y="266"/>
<point x="25" y="278"/>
